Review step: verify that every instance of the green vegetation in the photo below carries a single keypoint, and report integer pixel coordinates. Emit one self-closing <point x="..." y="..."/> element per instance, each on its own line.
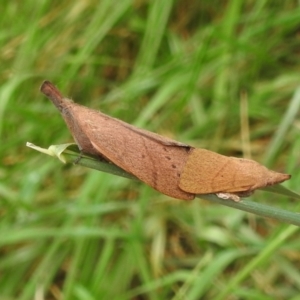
<point x="220" y="75"/>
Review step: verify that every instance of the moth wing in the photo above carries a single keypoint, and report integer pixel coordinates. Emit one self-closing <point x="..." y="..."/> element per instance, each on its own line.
<point x="143" y="155"/>
<point x="208" y="172"/>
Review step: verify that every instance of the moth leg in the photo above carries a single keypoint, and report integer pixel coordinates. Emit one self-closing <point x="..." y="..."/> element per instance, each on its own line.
<point x="235" y="196"/>
<point x="77" y="160"/>
<point x="97" y="157"/>
<point x="245" y="193"/>
<point x="228" y="196"/>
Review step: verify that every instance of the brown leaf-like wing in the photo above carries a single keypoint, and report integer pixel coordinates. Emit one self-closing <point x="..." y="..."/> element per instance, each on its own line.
<point x="151" y="158"/>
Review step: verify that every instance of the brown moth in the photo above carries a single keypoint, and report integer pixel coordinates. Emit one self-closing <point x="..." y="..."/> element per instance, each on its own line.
<point x="173" y="168"/>
<point x="208" y="172"/>
<point x="154" y="159"/>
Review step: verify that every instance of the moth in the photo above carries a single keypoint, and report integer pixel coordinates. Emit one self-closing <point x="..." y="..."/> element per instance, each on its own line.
<point x="172" y="168"/>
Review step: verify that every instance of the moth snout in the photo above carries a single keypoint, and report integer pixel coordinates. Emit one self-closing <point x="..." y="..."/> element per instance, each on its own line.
<point x="276" y="178"/>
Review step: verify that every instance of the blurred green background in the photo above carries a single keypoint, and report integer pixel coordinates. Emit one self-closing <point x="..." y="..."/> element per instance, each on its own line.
<point x="214" y="74"/>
